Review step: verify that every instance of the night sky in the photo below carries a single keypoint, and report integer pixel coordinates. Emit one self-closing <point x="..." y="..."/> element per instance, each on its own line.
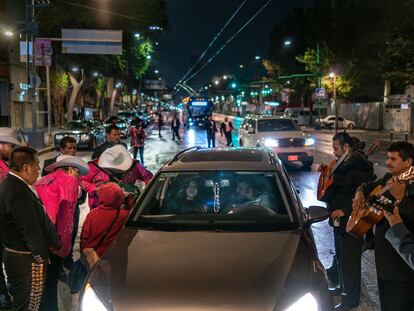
<point x="194" y="23"/>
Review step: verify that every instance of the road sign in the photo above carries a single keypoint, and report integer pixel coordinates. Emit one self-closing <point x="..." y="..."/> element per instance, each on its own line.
<point x="320" y="93"/>
<point x="90" y="41"/>
<point x="43" y="52"/>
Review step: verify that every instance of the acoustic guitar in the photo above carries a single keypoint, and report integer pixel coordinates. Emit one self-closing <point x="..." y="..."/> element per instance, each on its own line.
<point x="362" y="220"/>
<point x="326" y="177"/>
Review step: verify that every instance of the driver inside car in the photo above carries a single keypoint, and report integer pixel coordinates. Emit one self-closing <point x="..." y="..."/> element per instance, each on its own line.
<point x="249" y="193"/>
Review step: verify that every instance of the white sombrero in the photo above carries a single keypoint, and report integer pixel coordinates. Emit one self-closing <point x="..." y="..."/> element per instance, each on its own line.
<point x="9" y="135"/>
<point x="68" y="160"/>
<point x="116" y="158"/>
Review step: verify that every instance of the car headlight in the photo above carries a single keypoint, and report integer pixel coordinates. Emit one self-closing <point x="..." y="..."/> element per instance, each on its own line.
<point x="58" y="137"/>
<point x="85" y="137"/>
<point x="270" y="142"/>
<point x="191" y="123"/>
<point x="309" y="142"/>
<point x="90" y="300"/>
<point x="189" y="119"/>
<point x="306" y="302"/>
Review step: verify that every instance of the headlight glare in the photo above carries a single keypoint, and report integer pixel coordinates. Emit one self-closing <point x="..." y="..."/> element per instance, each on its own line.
<point x="85" y="137"/>
<point x="305" y="303"/>
<point x="90" y="300"/>
<point x="270" y="142"/>
<point x="309" y="142"/>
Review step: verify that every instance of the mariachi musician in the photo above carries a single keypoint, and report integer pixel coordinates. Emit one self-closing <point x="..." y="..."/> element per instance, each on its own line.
<point x="395" y="277"/>
<point x="354" y="170"/>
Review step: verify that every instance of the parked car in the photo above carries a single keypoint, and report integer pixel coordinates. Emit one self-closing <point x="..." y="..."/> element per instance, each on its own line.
<point x="329" y="122"/>
<point x="219" y="249"/>
<point x="280" y="134"/>
<point x="128" y="116"/>
<point x="121" y="123"/>
<point x="88" y="134"/>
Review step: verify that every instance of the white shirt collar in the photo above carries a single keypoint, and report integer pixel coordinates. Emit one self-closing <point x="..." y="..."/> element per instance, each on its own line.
<point x="11" y="173"/>
<point x="30" y="187"/>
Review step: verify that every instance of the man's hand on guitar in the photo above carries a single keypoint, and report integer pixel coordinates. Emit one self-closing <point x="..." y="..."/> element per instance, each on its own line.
<point x="397" y="188"/>
<point x="394" y="218"/>
<point x="359" y="201"/>
<point x="321" y="167"/>
<point x="337" y="213"/>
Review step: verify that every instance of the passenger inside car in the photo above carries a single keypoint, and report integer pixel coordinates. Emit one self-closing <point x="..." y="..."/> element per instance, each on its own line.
<point x="189" y="199"/>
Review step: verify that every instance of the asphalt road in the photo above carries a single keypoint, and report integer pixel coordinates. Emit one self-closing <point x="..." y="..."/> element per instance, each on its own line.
<point x="159" y="150"/>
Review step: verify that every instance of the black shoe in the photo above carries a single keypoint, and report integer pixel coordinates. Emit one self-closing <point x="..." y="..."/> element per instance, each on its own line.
<point x="5" y="301"/>
<point x="342" y="307"/>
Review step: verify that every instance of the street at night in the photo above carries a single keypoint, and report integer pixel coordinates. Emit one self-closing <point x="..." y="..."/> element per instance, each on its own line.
<point x="206" y="155"/>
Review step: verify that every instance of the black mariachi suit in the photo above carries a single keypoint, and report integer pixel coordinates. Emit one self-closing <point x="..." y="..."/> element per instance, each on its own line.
<point x="395" y="277"/>
<point x="48" y="162"/>
<point x="27" y="234"/>
<point x="355" y="170"/>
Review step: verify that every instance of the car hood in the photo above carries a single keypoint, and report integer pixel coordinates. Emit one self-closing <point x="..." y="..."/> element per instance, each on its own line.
<point x="153" y="270"/>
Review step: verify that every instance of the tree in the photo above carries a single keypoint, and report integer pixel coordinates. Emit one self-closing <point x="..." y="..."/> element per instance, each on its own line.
<point x="59" y="82"/>
<point x="132" y="16"/>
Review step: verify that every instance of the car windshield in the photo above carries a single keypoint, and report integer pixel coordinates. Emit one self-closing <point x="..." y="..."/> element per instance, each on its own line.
<point x="78" y="125"/>
<point x="214" y="200"/>
<point x="276" y="125"/>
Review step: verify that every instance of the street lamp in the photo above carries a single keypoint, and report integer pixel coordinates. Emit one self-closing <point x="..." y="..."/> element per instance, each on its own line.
<point x="217" y="82"/>
<point x="287" y="42"/>
<point x="241" y="66"/>
<point x="257" y="58"/>
<point x="137" y="35"/>
<point x="8" y="33"/>
<point x="156" y="71"/>
<point x="332" y="75"/>
<point x="225" y="77"/>
<point x="75" y="69"/>
<point x="95" y="74"/>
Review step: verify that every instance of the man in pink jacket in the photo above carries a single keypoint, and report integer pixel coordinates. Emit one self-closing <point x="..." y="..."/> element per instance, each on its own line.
<point x="115" y="165"/>
<point x="59" y="193"/>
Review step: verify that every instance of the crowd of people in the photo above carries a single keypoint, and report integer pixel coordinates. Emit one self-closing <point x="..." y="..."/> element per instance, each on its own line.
<point x="39" y="217"/>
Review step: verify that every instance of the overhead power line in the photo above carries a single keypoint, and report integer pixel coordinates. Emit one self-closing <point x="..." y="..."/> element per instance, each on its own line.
<point x="228" y="41"/>
<point x="212" y="42"/>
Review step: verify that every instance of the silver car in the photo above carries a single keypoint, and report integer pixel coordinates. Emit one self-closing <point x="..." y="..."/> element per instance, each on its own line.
<point x="217" y="229"/>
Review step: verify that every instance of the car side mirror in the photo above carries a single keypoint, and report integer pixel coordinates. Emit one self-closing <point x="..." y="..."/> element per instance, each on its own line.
<point x="316" y="214"/>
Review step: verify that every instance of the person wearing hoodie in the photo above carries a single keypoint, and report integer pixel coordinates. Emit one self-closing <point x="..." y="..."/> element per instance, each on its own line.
<point x="111" y="198"/>
<point x="115" y="165"/>
<point x="59" y="192"/>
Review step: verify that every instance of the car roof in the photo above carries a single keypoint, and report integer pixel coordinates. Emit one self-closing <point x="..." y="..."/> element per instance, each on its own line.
<point x="244" y="159"/>
<point x="266" y="117"/>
